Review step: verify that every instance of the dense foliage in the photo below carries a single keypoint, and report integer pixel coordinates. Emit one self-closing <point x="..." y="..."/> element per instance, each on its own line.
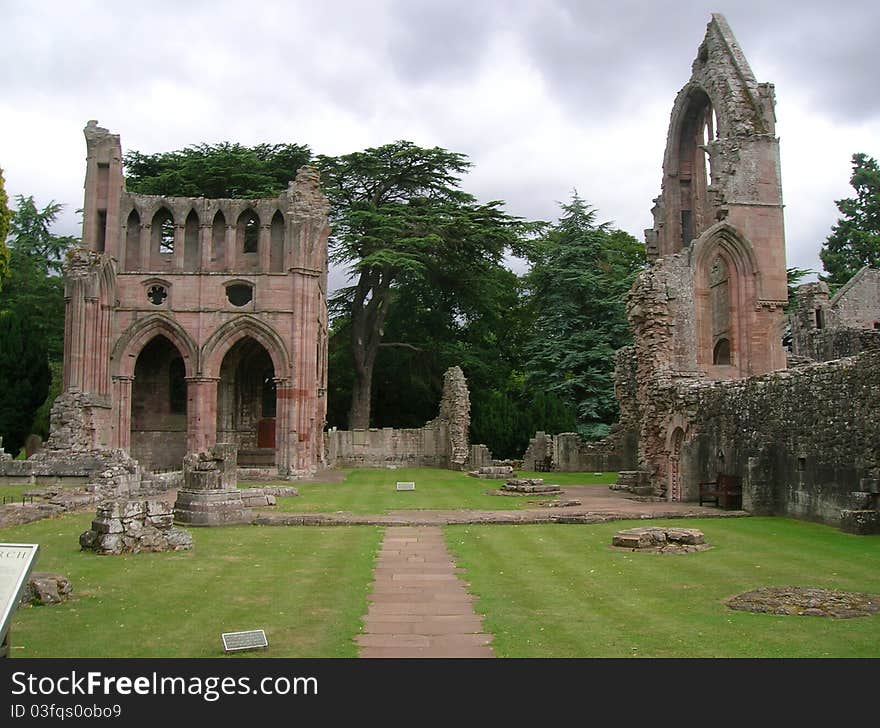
<point x="402" y="226"/>
<point x="5" y="217"/>
<point x="24" y="378"/>
<point x="216" y="170"/>
<point x="581" y="272"/>
<point x="854" y="241"/>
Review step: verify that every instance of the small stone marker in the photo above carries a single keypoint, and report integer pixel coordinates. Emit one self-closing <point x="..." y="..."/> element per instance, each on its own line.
<point x="253" y="639"/>
<point x="406" y="486"/>
<point x="16" y="562"/>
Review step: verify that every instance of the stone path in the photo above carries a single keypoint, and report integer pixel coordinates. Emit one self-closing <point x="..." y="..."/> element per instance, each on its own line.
<point x="419" y="606"/>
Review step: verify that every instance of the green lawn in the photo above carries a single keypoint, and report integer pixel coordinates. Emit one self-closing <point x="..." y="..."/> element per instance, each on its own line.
<point x="372" y="491"/>
<point x="561" y="591"/>
<point x="306" y="587"/>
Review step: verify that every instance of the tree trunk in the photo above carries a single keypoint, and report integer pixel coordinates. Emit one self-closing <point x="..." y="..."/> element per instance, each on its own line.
<point x="369" y="309"/>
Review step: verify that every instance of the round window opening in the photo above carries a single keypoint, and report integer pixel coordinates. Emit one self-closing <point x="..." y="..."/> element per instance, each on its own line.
<point x="239" y="295"/>
<point x="157" y="294"/>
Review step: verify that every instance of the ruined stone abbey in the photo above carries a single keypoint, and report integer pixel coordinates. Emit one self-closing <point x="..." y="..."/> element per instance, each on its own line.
<point x="192" y="322"/>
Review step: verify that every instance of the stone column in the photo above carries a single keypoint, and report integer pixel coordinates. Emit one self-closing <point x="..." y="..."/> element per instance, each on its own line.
<point x="201" y="408"/>
<point x="146" y="244"/>
<point x="231" y="252"/>
<point x="177" y="262"/>
<point x="285" y="429"/>
<point x="120" y="436"/>
<point x="264" y="245"/>
<point x="206" y="241"/>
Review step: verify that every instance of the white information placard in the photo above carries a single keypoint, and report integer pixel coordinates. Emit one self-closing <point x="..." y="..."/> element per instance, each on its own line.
<point x="16" y="562"/>
<point x="406" y="486"/>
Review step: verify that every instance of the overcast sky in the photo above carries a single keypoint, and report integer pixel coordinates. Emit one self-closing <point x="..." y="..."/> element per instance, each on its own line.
<point x="543" y="96"/>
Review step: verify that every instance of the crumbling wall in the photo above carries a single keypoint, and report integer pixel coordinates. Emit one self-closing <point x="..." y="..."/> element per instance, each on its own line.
<point x="824" y="328"/>
<point x="441" y="443"/>
<point x="806" y="442"/>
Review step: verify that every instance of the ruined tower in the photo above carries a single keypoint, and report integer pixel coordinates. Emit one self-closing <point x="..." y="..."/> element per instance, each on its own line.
<point x="718" y="225"/>
<point x="193" y="321"/>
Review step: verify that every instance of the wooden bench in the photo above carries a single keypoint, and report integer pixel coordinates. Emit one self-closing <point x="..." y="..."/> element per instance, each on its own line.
<point x="725" y="492"/>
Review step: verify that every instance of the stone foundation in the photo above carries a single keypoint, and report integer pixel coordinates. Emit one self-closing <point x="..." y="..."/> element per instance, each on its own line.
<point x="493" y="472"/>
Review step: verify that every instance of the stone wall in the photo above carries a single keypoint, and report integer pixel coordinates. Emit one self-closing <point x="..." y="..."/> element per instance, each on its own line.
<point x="824" y="328"/>
<point x="441" y="443"/>
<point x="804" y="441"/>
<point x="424" y="447"/>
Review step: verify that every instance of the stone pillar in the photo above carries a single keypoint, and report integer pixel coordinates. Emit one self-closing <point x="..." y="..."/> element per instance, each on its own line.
<point x="210" y="496"/>
<point x="264" y="245"/>
<point x="201" y="408"/>
<point x="286" y="445"/>
<point x="206" y="241"/>
<point x="121" y="398"/>
<point x="146" y="245"/>
<point x="177" y="263"/>
<point x="231" y="252"/>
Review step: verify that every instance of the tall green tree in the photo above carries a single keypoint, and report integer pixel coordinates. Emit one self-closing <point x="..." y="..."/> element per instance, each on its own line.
<point x="854" y="241"/>
<point x="400" y="218"/>
<point x="5" y="217"/>
<point x="581" y="272"/>
<point x="216" y="170"/>
<point x="24" y="379"/>
<point x="34" y="288"/>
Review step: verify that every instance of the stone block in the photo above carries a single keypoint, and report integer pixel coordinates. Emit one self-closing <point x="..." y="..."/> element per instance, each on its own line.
<point x="46" y="589"/>
<point x="107" y="525"/>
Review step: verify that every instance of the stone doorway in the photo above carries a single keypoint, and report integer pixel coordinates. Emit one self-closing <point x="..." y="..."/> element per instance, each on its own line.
<point x="247" y="403"/>
<point x="158" y="406"/>
<point x="674" y="490"/>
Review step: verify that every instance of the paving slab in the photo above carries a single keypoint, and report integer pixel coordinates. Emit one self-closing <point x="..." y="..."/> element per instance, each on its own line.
<point x="419" y="605"/>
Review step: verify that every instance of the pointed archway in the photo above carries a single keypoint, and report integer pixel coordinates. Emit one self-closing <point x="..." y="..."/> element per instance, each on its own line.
<point x="247" y="403"/>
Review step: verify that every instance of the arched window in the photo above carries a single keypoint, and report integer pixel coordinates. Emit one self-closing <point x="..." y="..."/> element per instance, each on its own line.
<point x="133" y="241"/>
<point x="721" y="353"/>
<point x="162" y="243"/>
<point x="218" y="242"/>
<point x="698" y="128"/>
<point x="166" y="237"/>
<point x="250" y="225"/>
<point x="191" y="251"/>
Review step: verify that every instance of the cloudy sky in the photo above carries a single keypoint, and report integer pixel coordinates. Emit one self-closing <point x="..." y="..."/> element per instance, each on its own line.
<point x="544" y="96"/>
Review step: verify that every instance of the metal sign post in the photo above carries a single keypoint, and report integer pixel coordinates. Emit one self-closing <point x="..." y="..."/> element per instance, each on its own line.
<point x="16" y="562"/>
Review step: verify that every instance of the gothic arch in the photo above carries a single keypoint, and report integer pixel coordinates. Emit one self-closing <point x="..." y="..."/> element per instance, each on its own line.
<point x="727" y="288"/>
<point x="235" y="330"/>
<point x="140" y="333"/>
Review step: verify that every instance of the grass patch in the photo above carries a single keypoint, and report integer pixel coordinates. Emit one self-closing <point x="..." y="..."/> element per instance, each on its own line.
<point x="372" y="491"/>
<point x="17" y="491"/>
<point x="560" y="591"/>
<point x="307" y="587"/>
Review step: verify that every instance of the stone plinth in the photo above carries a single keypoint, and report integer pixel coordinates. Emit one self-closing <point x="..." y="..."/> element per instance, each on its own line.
<point x="660" y="539"/>
<point x="210" y="496"/>
<point x="529" y="485"/>
<point x="493" y="472"/>
<point x="133" y="527"/>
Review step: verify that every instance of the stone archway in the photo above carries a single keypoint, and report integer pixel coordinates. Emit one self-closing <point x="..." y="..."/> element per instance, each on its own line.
<point x="675" y="490"/>
<point x="158" y="423"/>
<point x="247" y="403"/>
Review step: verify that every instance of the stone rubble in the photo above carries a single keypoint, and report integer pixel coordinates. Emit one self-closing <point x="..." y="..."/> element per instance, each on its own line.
<point x="133" y="527"/>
